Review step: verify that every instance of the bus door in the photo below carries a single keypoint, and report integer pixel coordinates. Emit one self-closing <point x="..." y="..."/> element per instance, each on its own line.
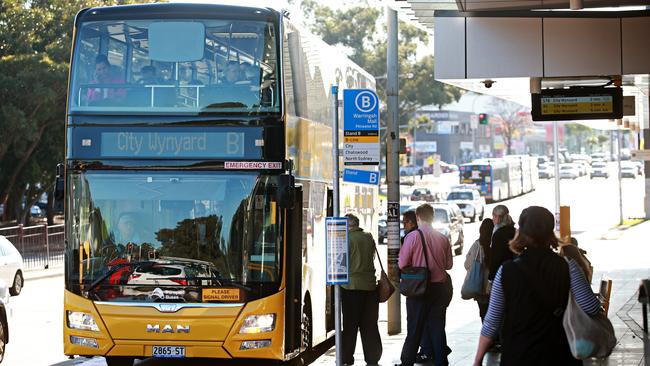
<point x="329" y="307"/>
<point x="293" y="275"/>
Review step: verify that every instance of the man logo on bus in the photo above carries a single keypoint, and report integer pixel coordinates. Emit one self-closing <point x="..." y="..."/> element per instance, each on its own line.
<point x="366" y="101"/>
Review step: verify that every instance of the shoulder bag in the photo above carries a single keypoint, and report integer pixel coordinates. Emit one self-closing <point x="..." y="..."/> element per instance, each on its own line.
<point x="474" y="284"/>
<point x="415" y="280"/>
<point x="384" y="288"/>
<point x="588" y="335"/>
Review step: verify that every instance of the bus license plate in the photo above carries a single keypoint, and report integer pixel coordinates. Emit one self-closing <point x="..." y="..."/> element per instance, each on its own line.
<point x="168" y="351"/>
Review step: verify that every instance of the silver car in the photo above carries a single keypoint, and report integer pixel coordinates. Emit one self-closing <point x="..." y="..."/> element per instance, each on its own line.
<point x="11" y="266"/>
<point x="5" y="314"/>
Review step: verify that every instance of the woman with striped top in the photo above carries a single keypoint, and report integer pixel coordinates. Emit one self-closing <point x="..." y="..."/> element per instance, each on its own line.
<point x="529" y="296"/>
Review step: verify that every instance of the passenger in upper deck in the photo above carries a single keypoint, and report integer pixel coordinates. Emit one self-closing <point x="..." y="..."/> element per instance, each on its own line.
<point x="104" y="75"/>
<point x="148" y="76"/>
<point x="232" y="74"/>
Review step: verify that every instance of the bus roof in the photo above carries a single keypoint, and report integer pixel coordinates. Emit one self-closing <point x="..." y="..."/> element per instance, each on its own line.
<point x="174" y="10"/>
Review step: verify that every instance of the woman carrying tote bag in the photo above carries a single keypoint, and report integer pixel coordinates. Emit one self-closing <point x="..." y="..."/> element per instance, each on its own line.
<point x="477" y="266"/>
<point x="529" y="296"/>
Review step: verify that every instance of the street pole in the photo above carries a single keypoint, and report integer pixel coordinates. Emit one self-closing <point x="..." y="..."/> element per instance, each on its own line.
<point x="414" y="152"/>
<point x="335" y="180"/>
<point x="392" y="172"/>
<point x="557" y="176"/>
<point x="619" y="142"/>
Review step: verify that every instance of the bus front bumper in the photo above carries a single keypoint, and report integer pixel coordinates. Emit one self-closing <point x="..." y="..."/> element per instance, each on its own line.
<point x="134" y="331"/>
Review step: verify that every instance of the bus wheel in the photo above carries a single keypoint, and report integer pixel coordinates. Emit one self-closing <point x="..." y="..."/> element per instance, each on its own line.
<point x="306" y="327"/>
<point x="119" y="361"/>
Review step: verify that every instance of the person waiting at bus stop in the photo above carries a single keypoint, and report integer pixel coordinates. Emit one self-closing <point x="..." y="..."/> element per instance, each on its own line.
<point x="529" y="295"/>
<point x="428" y="311"/>
<point x="360" y="298"/>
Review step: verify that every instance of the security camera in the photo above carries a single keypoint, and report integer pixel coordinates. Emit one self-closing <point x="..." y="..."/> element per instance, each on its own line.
<point x="488" y="83"/>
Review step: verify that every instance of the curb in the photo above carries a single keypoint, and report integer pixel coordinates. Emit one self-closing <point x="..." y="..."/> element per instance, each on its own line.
<point x="31" y="275"/>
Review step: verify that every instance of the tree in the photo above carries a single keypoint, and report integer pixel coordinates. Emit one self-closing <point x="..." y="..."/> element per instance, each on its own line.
<point x="579" y="132"/>
<point x="35" y="41"/>
<point x="355" y="29"/>
<point x="514" y="117"/>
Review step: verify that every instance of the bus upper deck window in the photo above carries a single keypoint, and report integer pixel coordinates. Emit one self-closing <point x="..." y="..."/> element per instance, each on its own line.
<point x="176" y="41"/>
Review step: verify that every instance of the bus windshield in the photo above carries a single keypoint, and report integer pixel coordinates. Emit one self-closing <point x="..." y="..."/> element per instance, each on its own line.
<point x="154" y="236"/>
<point x="174" y="66"/>
<point x="475" y="176"/>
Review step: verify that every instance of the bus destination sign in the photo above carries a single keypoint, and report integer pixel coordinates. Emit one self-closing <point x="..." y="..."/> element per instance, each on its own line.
<point x="577" y="104"/>
<point x="169" y="143"/>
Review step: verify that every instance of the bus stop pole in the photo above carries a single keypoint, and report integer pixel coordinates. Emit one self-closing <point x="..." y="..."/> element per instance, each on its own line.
<point x="335" y="207"/>
<point x="619" y="144"/>
<point x="392" y="171"/>
<point x="557" y="176"/>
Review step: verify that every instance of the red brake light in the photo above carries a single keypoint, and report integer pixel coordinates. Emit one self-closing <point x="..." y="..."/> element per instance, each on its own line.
<point x="181" y="282"/>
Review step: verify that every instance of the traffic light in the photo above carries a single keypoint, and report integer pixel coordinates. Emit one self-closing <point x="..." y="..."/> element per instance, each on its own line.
<point x="483" y="118"/>
<point x="408" y="151"/>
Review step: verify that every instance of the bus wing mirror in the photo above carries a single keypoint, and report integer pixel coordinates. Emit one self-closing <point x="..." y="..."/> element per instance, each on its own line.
<point x="286" y="191"/>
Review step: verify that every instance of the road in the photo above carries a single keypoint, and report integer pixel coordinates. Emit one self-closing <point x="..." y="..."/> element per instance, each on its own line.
<point x="36" y="325"/>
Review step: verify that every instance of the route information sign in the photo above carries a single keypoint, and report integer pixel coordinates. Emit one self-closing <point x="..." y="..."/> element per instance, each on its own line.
<point x="337" y="250"/>
<point x="577" y="104"/>
<point x="361" y="127"/>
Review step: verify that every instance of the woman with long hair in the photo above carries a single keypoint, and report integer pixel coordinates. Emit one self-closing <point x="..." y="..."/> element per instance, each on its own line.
<point x="529" y="296"/>
<point x="480" y="251"/>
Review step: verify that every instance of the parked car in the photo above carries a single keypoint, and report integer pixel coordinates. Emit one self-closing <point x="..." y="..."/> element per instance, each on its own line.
<point x="470" y="202"/>
<point x="5" y="314"/>
<point x="599" y="157"/>
<point x="582" y="166"/>
<point x="382" y="226"/>
<point x="569" y="171"/>
<point x="409" y="170"/>
<point x="629" y="171"/>
<point x="581" y="157"/>
<point x="599" y="169"/>
<point x="542" y="160"/>
<point x="448" y="168"/>
<point x="449" y="221"/>
<point x="35" y="211"/>
<point x="546" y="171"/>
<point x="11" y="266"/>
<point x="640" y="166"/>
<point x="422" y="194"/>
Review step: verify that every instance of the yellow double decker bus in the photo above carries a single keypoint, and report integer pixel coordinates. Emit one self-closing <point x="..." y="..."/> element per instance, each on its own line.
<point x="197" y="182"/>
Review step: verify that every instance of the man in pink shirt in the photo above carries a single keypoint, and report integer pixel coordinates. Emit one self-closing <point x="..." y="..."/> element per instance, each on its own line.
<point x="429" y="311"/>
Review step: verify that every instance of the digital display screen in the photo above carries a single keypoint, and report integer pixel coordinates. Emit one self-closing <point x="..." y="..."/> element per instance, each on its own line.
<point x="173" y="145"/>
<point x="168" y="143"/>
<point x="577" y="104"/>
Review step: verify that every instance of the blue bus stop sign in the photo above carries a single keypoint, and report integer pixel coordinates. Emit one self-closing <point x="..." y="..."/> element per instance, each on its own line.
<point x="360" y="176"/>
<point x="361" y="127"/>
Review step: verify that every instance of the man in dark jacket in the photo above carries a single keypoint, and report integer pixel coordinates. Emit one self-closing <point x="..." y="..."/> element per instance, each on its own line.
<point x="360" y="301"/>
<point x="504" y="231"/>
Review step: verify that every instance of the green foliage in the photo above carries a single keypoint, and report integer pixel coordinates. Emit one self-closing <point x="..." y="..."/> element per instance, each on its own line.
<point x="361" y="29"/>
<point x="35" y="42"/>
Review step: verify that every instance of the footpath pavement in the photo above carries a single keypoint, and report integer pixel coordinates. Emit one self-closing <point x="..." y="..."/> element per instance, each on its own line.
<point x="624" y="260"/>
<point x="39" y="273"/>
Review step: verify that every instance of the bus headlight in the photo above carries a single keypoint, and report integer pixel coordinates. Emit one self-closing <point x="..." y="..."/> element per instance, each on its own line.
<point x="81" y="321"/>
<point x="254" y="324"/>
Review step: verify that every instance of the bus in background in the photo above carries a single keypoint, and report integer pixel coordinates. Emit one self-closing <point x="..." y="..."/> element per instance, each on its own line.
<point x="491" y="176"/>
<point x="198" y="176"/>
<point x="528" y="167"/>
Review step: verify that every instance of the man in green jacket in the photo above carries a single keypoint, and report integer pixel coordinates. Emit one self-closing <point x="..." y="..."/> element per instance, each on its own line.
<point x="360" y="300"/>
